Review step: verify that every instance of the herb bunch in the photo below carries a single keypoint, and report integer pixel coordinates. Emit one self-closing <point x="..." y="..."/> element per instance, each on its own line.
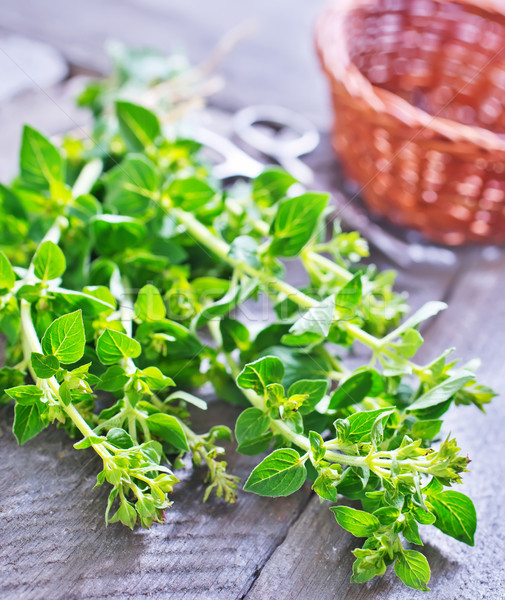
<point x="134" y="275"/>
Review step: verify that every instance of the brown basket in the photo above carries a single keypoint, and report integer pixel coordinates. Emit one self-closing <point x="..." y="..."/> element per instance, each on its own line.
<point x="418" y="88"/>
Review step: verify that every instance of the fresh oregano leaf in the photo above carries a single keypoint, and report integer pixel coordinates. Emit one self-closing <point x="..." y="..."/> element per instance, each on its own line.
<point x="295" y="223"/>
<point x="41" y="163"/>
<point x="251" y="424"/>
<point x="114" y="345"/>
<point x="138" y="125"/>
<point x="357" y="522"/>
<point x="49" y="262"/>
<point x="413" y="569"/>
<point x="168" y="428"/>
<point x="44" y="366"/>
<point x="149" y="305"/>
<point x="260" y="373"/>
<point x="7" y="277"/>
<point x="65" y="338"/>
<point x="279" y="474"/>
<point x="455" y="514"/>
<point x="441" y="392"/>
<point x="27" y="421"/>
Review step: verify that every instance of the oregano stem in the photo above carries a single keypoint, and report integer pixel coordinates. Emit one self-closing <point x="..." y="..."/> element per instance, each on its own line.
<point x="205" y="237"/>
<point x="31" y="343"/>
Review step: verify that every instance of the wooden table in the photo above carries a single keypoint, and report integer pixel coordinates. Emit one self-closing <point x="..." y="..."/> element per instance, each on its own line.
<point x="53" y="543"/>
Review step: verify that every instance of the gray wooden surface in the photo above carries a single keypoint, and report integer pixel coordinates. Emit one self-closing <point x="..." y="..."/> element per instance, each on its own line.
<point x="53" y="543"/>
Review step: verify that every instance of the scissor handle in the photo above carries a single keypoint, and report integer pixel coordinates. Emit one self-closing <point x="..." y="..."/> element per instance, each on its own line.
<point x="307" y="140"/>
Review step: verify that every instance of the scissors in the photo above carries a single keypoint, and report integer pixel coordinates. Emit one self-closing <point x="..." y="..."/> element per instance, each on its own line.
<point x="286" y="151"/>
<point x="304" y="138"/>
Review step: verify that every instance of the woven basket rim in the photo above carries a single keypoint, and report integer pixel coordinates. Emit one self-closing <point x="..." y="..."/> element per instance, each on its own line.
<point x="385" y="101"/>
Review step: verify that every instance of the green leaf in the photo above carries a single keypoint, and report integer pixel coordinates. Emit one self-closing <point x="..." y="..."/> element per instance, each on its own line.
<point x="27" y="421"/>
<point x="325" y="485"/>
<point x="126" y="514"/>
<point x="409" y="343"/>
<point x="441" y="392"/>
<point x="113" y="380"/>
<point x="251" y="424"/>
<point x="234" y="333"/>
<point x="455" y="514"/>
<point x="349" y="297"/>
<point x="255" y="446"/>
<point x="297" y="362"/>
<point x="271" y="186"/>
<point x="356" y="388"/>
<point x="316" y="446"/>
<point x="44" y="366"/>
<point x="7" y="277"/>
<point x="235" y="295"/>
<point x="387" y="514"/>
<point x="177" y="340"/>
<point x="138" y="126"/>
<point x="369" y="564"/>
<point x="361" y="424"/>
<point x="155" y="378"/>
<point x="313" y="326"/>
<point x="168" y="428"/>
<point x="279" y="474"/>
<point x="65" y="393"/>
<point x="219" y="308"/>
<point x="314" y="389"/>
<point x="430" y="309"/>
<point x="295" y="223"/>
<point x="426" y="430"/>
<point x="113" y="346"/>
<point x="132" y="185"/>
<point x="65" y="338"/>
<point x="149" y="305"/>
<point x="25" y="395"/>
<point x="187" y="397"/>
<point x="425" y="517"/>
<point x="357" y="522"/>
<point x="413" y="569"/>
<point x="120" y="438"/>
<point x="260" y="373"/>
<point x="88" y="441"/>
<point x="411" y="532"/>
<point x="9" y="378"/>
<point x="191" y="193"/>
<point x="114" y="233"/>
<point x="41" y="163"/>
<point x="49" y="262"/>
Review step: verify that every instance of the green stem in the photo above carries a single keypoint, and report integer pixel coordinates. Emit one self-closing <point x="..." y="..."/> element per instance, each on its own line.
<point x="31" y="343"/>
<point x="205" y="237"/>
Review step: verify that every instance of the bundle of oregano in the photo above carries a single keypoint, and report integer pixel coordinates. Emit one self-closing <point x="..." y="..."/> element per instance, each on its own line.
<point x="123" y="267"/>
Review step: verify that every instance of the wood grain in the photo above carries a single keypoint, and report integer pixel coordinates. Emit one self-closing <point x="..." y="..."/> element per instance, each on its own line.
<point x="54" y="543"/>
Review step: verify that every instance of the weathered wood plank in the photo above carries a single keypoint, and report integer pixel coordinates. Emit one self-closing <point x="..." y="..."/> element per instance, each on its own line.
<point x="54" y="543"/>
<point x="315" y="557"/>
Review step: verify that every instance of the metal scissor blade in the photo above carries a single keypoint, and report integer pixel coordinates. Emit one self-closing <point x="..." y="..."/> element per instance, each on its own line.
<point x="236" y="162"/>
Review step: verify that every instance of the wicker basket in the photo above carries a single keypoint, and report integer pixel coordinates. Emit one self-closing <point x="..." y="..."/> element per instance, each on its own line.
<point x="418" y="88"/>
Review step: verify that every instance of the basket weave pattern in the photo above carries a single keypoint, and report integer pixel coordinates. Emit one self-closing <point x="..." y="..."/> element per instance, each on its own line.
<point x="418" y="89"/>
